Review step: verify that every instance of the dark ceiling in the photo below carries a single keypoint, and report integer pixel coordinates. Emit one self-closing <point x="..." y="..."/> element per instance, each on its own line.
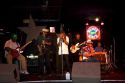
<point x="14" y="11"/>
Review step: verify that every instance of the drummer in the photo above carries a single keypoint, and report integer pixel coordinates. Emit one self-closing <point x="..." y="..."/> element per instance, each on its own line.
<point x="99" y="47"/>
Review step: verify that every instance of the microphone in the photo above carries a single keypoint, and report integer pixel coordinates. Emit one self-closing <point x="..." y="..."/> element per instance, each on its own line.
<point x="61" y="40"/>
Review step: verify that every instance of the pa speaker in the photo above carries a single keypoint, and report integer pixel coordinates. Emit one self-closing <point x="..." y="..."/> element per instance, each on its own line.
<point x="9" y="73"/>
<point x="86" y="72"/>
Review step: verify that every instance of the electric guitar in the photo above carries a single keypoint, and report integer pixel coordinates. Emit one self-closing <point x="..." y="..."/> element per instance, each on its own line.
<point x="16" y="52"/>
<point x="75" y="48"/>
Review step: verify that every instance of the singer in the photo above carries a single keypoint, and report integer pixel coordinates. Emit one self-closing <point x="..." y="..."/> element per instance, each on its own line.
<point x="63" y="42"/>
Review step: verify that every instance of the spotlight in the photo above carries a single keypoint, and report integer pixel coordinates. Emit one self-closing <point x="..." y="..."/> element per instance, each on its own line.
<point x="102" y="23"/>
<point x="96" y="19"/>
<point x="87" y="24"/>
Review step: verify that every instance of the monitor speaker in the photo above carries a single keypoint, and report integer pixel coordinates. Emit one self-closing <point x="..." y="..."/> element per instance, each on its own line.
<point x="86" y="72"/>
<point x="9" y="73"/>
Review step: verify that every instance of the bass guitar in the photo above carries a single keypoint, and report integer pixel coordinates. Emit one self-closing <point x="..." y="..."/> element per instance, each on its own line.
<point x="16" y="52"/>
<point x="76" y="47"/>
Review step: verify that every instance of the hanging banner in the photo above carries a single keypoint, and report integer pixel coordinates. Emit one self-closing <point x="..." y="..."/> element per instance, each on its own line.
<point x="93" y="33"/>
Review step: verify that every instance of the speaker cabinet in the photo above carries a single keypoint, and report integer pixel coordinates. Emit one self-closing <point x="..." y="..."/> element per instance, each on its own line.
<point x="9" y="73"/>
<point x="86" y="72"/>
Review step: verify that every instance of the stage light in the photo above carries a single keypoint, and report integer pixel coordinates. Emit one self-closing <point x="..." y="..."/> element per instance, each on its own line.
<point x="87" y="24"/>
<point x="96" y="19"/>
<point x="52" y="29"/>
<point x="102" y="23"/>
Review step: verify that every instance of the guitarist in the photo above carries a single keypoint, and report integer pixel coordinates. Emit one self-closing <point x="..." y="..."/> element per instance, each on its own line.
<point x="11" y="53"/>
<point x="44" y="45"/>
<point x="75" y="41"/>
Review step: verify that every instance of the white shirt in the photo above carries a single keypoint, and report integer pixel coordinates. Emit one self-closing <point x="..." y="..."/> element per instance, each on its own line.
<point x="11" y="44"/>
<point x="63" y="48"/>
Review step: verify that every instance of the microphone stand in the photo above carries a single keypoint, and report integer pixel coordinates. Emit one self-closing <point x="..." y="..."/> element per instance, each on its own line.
<point x="114" y="58"/>
<point x="113" y="53"/>
<point x="43" y="42"/>
<point x="61" y="55"/>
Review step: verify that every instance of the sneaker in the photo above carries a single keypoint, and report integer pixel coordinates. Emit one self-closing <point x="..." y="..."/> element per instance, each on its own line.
<point x="26" y="72"/>
<point x="22" y="72"/>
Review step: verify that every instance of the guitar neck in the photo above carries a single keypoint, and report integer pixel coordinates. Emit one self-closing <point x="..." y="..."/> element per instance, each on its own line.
<point x="81" y="44"/>
<point x="25" y="45"/>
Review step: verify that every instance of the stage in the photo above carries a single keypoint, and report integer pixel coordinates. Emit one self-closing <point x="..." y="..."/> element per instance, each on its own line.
<point x="112" y="76"/>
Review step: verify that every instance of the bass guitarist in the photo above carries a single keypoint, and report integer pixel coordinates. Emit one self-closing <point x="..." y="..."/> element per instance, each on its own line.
<point x="11" y="53"/>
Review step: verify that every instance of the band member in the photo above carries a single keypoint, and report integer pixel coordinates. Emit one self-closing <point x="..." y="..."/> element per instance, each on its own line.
<point x="44" y="45"/>
<point x="99" y="47"/>
<point x="75" y="41"/>
<point x="63" y="51"/>
<point x="88" y="52"/>
<point x="102" y="53"/>
<point x="11" y="53"/>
